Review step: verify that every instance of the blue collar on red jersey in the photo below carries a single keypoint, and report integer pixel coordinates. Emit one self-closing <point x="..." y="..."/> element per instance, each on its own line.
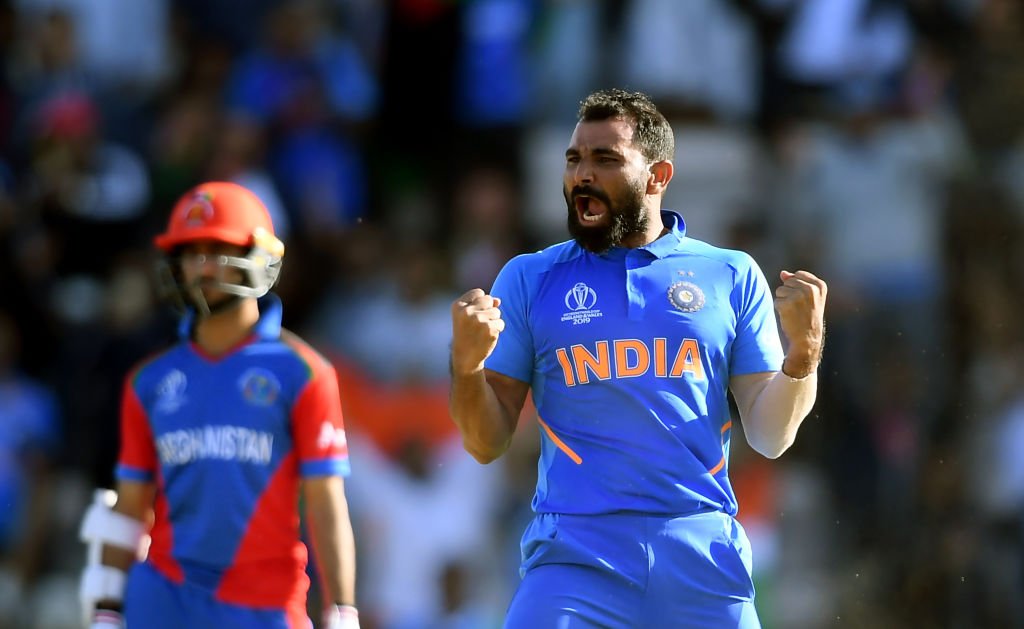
<point x="268" y="327"/>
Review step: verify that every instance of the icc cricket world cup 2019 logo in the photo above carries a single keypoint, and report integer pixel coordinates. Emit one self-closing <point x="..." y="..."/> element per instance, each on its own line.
<point x="580" y="300"/>
<point x="580" y="297"/>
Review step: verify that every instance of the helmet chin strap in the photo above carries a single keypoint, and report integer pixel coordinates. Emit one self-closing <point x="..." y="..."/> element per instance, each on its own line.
<point x="203" y="307"/>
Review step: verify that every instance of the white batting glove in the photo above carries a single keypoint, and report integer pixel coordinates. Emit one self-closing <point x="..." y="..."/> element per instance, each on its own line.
<point x="107" y="619"/>
<point x="341" y="617"/>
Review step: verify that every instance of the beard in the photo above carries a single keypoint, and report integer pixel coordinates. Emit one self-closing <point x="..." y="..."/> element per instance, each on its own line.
<point x="206" y="296"/>
<point x="626" y="217"/>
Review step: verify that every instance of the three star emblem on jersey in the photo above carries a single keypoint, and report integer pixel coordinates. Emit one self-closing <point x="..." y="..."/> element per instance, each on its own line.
<point x="685" y="295"/>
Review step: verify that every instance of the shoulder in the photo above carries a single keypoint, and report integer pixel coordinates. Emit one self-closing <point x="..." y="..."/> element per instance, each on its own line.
<point x="539" y="262"/>
<point x="154" y="366"/>
<point x="314" y="362"/>
<point x="740" y="262"/>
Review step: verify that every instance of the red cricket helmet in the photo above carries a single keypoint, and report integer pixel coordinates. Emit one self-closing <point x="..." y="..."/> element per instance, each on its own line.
<point x="229" y="213"/>
<point x="216" y="210"/>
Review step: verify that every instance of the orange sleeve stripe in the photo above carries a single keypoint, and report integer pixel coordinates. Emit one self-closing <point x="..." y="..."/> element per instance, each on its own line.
<point x="559" y="443"/>
<point x="718" y="468"/>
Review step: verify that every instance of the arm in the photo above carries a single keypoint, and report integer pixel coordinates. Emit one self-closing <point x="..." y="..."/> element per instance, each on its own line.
<point x="772" y="405"/>
<point x="485" y="405"/>
<point x="330" y="528"/>
<point x="114" y="528"/>
<point x="134" y="500"/>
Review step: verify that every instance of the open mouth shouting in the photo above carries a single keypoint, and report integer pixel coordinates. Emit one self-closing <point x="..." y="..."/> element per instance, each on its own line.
<point x="589" y="209"/>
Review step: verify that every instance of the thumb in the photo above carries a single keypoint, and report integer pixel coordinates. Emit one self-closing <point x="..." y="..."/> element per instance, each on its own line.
<point x="785" y="275"/>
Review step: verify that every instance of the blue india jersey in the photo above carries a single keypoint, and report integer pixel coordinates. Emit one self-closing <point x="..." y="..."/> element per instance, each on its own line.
<point x="629" y="355"/>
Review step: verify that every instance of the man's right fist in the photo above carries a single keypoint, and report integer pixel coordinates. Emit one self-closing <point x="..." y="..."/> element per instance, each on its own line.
<point x="476" y="324"/>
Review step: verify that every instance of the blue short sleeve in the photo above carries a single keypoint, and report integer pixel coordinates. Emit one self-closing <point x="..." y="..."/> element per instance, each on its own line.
<point x="757" y="347"/>
<point x="513" y="355"/>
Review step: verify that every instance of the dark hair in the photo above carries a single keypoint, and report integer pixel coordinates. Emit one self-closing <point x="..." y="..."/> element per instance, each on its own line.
<point x="653" y="134"/>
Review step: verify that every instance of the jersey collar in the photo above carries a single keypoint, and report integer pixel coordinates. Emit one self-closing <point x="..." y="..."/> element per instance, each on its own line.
<point x="669" y="242"/>
<point x="661" y="247"/>
<point x="271" y="313"/>
<point x="268" y="327"/>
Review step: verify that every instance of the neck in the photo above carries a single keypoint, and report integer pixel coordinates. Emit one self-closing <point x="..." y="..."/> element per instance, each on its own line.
<point x="221" y="331"/>
<point x="655" y="229"/>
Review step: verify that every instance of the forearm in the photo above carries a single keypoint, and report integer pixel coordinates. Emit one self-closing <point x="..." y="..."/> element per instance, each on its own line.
<point x="334" y="545"/>
<point x="774" y="414"/>
<point x="114" y="532"/>
<point x="486" y="426"/>
<point x="121" y="559"/>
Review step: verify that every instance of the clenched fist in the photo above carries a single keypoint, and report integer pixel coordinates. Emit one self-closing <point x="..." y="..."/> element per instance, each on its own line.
<point x="476" y="324"/>
<point x="800" y="302"/>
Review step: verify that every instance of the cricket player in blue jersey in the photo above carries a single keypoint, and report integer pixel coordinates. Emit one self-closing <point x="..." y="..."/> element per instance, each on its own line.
<point x="220" y="437"/>
<point x="630" y="337"/>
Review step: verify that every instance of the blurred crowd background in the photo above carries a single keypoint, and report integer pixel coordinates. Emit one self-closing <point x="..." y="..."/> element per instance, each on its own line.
<point x="407" y="148"/>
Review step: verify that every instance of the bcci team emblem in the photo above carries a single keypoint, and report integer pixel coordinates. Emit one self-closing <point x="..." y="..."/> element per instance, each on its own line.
<point x="686" y="296"/>
<point x="200" y="210"/>
<point x="259" y="387"/>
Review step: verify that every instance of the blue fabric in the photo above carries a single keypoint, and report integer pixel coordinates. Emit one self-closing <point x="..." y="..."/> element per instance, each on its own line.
<point x="629" y="355"/>
<point x="153" y="602"/>
<point x="625" y="570"/>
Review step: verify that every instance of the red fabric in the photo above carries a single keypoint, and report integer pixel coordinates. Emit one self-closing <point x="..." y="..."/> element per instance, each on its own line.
<point x="317" y="421"/>
<point x="137" y="446"/>
<point x="256" y="579"/>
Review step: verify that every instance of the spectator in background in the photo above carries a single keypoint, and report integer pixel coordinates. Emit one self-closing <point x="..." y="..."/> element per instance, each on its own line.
<point x="310" y="88"/>
<point x="125" y="48"/>
<point x="487" y="228"/>
<point x="85" y="188"/>
<point x="422" y="512"/>
<point x="700" y="61"/>
<point x="31" y="431"/>
<point x="95" y="353"/>
<point x="830" y="45"/>
<point x="411" y="297"/>
<point x="862" y="198"/>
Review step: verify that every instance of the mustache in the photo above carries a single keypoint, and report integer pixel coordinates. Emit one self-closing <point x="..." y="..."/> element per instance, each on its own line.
<point x="590" y="192"/>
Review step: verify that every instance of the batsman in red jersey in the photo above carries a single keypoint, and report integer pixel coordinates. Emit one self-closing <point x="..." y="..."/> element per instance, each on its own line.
<point x="221" y="435"/>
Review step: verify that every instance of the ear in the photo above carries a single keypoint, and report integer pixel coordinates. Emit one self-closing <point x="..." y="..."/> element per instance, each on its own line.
<point x="660" y="174"/>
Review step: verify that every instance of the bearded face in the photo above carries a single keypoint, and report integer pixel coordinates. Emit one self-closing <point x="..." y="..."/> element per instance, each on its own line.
<point x="598" y="222"/>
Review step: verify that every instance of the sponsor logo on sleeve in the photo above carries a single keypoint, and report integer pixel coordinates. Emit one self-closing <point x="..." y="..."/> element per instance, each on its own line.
<point x="331" y="437"/>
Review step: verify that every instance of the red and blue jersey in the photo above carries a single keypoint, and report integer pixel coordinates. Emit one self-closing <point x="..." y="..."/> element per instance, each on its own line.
<point x="227" y="440"/>
<point x="629" y="354"/>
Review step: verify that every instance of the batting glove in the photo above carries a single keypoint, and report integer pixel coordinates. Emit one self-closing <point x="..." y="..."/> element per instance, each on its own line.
<point x="107" y="619"/>
<point x="341" y="617"/>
